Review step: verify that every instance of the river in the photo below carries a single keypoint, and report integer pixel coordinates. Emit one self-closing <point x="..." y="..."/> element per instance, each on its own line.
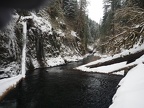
<point x="63" y="87"/>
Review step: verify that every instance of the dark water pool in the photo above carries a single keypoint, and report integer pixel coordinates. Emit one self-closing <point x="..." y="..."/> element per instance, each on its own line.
<point x="62" y="87"/>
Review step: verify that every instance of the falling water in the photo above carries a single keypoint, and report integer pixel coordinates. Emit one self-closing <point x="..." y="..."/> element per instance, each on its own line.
<point x="23" y="63"/>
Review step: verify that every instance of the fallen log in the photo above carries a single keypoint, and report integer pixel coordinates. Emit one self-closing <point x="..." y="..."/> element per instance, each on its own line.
<point x="125" y="68"/>
<point x="131" y="57"/>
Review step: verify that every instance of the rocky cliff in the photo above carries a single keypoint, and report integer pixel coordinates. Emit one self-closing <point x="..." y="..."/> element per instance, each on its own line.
<point x="49" y="42"/>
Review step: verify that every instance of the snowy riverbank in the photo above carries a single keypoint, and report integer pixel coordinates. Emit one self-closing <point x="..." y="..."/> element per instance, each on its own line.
<point x="8" y="83"/>
<point x="130" y="93"/>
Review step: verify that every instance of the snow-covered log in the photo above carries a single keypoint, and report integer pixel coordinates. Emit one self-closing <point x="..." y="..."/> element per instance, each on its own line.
<point x="125" y="68"/>
<point x="129" y="58"/>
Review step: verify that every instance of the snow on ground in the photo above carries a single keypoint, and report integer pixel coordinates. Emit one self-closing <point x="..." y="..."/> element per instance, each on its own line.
<point x="8" y="82"/>
<point x="41" y="23"/>
<point x="130" y="94"/>
<point x="73" y="34"/>
<point x="60" y="32"/>
<point x="55" y="61"/>
<point x="73" y="58"/>
<point x="61" y="60"/>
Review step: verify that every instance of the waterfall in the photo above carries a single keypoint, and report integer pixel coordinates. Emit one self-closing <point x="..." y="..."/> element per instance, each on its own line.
<point x="23" y="62"/>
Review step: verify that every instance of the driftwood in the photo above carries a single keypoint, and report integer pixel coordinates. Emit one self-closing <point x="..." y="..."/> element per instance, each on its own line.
<point x="129" y="58"/>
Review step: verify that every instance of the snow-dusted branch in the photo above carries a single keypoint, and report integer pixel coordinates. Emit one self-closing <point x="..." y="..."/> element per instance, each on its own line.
<point x="128" y="30"/>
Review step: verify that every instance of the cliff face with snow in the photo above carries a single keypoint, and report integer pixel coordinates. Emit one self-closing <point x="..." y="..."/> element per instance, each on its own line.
<point x="49" y="43"/>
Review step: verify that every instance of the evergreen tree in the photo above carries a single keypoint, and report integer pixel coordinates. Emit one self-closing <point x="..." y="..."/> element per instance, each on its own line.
<point x="82" y="24"/>
<point x="107" y="26"/>
<point x="70" y="8"/>
<point x="93" y="30"/>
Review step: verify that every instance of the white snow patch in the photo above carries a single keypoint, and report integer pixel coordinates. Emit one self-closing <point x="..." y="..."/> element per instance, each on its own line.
<point x="130" y="94"/>
<point x="62" y="23"/>
<point x="136" y="26"/>
<point x="35" y="63"/>
<point x="73" y="58"/>
<point x="73" y="34"/>
<point x="9" y="82"/>
<point x="90" y="47"/>
<point x="55" y="61"/>
<point x="60" y="32"/>
<point x="26" y="17"/>
<point x="41" y="23"/>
